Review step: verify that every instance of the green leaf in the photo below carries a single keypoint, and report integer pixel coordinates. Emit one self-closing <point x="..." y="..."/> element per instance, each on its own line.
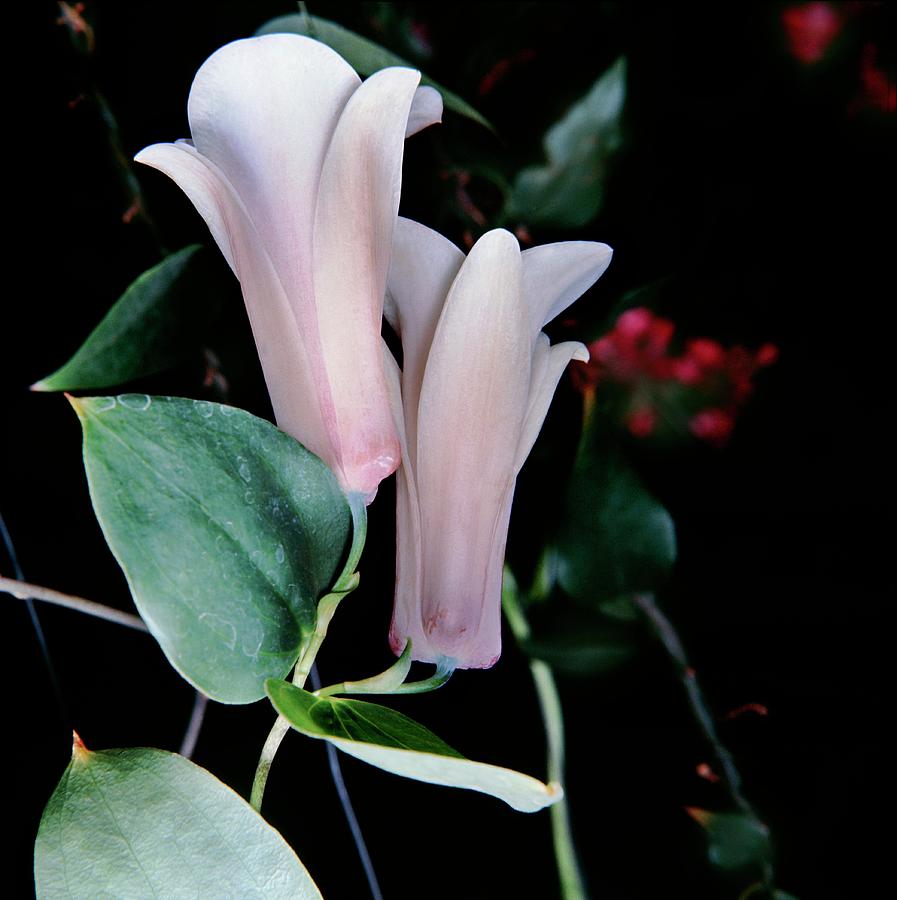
<point x="735" y="840"/>
<point x="142" y="823"/>
<point x="153" y="325"/>
<point x="568" y="191"/>
<point x="227" y="529"/>
<point x="393" y="742"/>
<point x="616" y="538"/>
<point x="362" y="54"/>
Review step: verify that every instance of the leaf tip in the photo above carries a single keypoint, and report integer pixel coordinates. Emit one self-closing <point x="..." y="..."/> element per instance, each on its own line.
<point x="79" y="749"/>
<point x="40" y="386"/>
<point x="76" y="404"/>
<point x="702" y="816"/>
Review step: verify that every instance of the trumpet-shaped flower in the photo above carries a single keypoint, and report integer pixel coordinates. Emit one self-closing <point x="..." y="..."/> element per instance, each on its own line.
<point x="296" y="166"/>
<point x="477" y="379"/>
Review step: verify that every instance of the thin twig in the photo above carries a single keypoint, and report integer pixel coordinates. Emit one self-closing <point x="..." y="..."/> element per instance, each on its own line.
<point x="194" y="726"/>
<point x="35" y="621"/>
<point x="665" y="631"/>
<point x="25" y="591"/>
<point x="336" y="773"/>
<point x="668" y="636"/>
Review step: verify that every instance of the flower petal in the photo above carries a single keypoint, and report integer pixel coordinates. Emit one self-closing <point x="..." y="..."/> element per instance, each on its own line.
<point x="549" y="363"/>
<point x="408" y="539"/>
<point x="358" y="203"/>
<point x="554" y="275"/>
<point x="473" y="399"/>
<point x="206" y="188"/>
<point x="282" y="352"/>
<point x="423" y="266"/>
<point x="263" y="110"/>
<point x="426" y="109"/>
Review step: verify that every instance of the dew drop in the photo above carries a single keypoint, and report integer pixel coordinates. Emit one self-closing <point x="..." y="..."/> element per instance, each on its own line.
<point x="280" y="554"/>
<point x="136" y="402"/>
<point x="204" y="407"/>
<point x="245" y="472"/>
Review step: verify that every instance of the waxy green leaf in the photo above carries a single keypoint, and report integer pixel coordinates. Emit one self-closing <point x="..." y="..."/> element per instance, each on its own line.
<point x="142" y="823"/>
<point x="616" y="538"/>
<point x="227" y="529"/>
<point x="568" y="190"/>
<point x="150" y="327"/>
<point x="393" y="742"/>
<point x="362" y="54"/>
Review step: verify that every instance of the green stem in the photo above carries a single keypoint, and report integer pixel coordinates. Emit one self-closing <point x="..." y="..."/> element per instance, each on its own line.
<point x="345" y="584"/>
<point x="569" y="869"/>
<point x="359" y="534"/>
<point x="569" y="872"/>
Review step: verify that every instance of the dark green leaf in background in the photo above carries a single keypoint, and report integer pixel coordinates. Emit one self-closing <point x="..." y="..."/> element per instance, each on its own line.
<point x="153" y="325"/>
<point x="582" y="643"/>
<point x="393" y="742"/>
<point x="567" y="192"/>
<point x="227" y="529"/>
<point x="142" y="823"/>
<point x="616" y="538"/>
<point x="734" y="840"/>
<point x="363" y="55"/>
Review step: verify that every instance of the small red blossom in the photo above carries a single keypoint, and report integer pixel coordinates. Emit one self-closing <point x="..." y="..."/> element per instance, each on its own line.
<point x="810" y="29"/>
<point x="641" y="422"/>
<point x="704" y="770"/>
<point x="879" y="91"/>
<point x="712" y="425"/>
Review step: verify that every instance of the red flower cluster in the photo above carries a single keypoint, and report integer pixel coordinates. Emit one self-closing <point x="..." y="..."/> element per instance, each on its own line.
<point x="706" y="384"/>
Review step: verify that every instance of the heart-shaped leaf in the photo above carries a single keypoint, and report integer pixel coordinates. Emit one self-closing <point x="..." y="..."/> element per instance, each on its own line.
<point x="393" y="742"/>
<point x="227" y="529"/>
<point x="151" y="326"/>
<point x="142" y="823"/>
<point x="362" y="54"/>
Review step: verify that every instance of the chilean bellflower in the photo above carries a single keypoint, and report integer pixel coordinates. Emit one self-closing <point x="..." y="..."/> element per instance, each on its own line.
<point x="477" y="379"/>
<point x="296" y="167"/>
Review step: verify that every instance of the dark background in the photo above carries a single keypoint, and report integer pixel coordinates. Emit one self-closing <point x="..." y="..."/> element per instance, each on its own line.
<point x="761" y="189"/>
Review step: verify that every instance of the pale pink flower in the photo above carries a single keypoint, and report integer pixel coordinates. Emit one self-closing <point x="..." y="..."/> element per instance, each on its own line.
<point x="478" y="376"/>
<point x="296" y="167"/>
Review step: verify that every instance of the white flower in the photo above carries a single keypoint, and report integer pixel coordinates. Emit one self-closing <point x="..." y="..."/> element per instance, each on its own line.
<point x="295" y="165"/>
<point x="477" y="379"/>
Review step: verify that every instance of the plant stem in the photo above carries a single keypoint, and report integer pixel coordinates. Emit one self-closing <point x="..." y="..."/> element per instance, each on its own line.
<point x="667" y="635"/>
<point x="194" y="726"/>
<point x="345" y="583"/>
<point x="24" y="591"/>
<point x="278" y="730"/>
<point x="569" y="870"/>
<point x="336" y="774"/>
<point x="35" y="622"/>
<point x="669" y="638"/>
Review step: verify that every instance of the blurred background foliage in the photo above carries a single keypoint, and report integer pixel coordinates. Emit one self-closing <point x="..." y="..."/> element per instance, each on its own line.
<point x="736" y="457"/>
